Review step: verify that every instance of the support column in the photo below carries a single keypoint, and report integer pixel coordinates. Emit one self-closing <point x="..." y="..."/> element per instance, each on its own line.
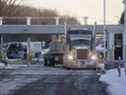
<point x="94" y="37"/>
<point x="110" y="45"/>
<point x="65" y="31"/>
<point x="1" y="20"/>
<point x="2" y="55"/>
<point x="28" y="50"/>
<point x="113" y="56"/>
<point x="28" y="20"/>
<point x="57" y="20"/>
<point x="1" y="43"/>
<point x="1" y="40"/>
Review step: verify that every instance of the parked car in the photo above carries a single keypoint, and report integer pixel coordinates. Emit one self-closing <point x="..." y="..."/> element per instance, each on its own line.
<point x="16" y="51"/>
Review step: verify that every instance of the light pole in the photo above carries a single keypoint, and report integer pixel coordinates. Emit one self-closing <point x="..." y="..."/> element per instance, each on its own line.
<point x="104" y="25"/>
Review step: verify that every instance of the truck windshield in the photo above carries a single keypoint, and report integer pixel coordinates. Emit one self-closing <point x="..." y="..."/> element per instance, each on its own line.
<point x="80" y="42"/>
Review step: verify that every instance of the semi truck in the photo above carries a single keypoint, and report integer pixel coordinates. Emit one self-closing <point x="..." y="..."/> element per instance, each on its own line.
<point x="81" y="52"/>
<point x="75" y="51"/>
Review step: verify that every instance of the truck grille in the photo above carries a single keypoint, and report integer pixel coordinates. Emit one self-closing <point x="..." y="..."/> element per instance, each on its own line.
<point x="82" y="54"/>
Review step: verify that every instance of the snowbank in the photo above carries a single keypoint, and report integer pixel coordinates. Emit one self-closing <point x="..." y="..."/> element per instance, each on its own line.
<point x="117" y="85"/>
<point x="2" y="65"/>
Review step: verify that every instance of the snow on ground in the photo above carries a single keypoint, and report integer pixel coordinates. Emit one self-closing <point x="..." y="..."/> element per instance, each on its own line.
<point x="117" y="85"/>
<point x="2" y="65"/>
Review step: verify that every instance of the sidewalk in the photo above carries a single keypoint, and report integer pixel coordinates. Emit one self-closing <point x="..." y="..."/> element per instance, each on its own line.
<point x="117" y="85"/>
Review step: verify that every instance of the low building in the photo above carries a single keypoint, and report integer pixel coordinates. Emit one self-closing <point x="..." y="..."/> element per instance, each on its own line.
<point x="114" y="34"/>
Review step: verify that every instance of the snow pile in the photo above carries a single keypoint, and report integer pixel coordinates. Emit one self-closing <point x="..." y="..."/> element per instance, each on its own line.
<point x="2" y="65"/>
<point x="117" y="85"/>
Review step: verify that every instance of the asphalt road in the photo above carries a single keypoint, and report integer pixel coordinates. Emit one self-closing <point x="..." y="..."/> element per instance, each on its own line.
<point x="39" y="80"/>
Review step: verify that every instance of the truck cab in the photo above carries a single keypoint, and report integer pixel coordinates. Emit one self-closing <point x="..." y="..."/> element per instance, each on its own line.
<point x="81" y="53"/>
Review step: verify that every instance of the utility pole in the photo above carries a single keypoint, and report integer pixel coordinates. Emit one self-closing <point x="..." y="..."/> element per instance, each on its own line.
<point x="104" y="26"/>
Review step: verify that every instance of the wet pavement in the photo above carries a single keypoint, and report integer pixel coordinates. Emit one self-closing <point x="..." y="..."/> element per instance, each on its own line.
<point x="39" y="80"/>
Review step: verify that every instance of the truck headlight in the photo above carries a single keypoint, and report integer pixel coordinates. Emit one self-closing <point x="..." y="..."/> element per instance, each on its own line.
<point x="94" y="57"/>
<point x="70" y="57"/>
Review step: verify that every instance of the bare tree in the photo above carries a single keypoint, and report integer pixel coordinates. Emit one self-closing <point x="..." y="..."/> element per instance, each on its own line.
<point x="68" y="20"/>
<point x="7" y="6"/>
<point x="10" y="2"/>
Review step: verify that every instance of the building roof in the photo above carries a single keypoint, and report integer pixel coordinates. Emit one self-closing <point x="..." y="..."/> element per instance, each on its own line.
<point x="53" y="29"/>
<point x="31" y="29"/>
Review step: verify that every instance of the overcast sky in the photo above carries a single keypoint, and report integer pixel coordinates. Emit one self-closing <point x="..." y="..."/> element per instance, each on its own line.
<point x="80" y="8"/>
